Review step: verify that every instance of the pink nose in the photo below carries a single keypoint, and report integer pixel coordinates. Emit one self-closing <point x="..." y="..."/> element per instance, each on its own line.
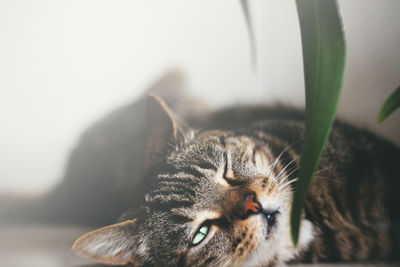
<point x="251" y="205"/>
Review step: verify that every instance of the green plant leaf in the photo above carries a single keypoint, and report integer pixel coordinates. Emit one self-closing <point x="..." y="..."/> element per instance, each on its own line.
<point x="323" y="58"/>
<point x="246" y="12"/>
<point x="391" y="104"/>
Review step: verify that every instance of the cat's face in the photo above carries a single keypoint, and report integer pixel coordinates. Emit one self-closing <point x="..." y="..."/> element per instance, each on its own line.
<point x="218" y="199"/>
<point x="221" y="200"/>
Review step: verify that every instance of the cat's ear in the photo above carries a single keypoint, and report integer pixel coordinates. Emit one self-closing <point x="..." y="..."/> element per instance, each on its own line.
<point x="161" y="126"/>
<point x="115" y="244"/>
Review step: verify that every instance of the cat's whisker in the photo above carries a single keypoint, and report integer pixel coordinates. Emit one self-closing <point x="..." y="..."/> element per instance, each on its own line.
<point x="272" y="167"/>
<point x="287" y="183"/>
<point x="277" y="160"/>
<point x="279" y="176"/>
<point x="218" y="261"/>
<point x="180" y="131"/>
<point x="288" y="175"/>
<point x="325" y="178"/>
<point x="227" y="263"/>
<point x="188" y="134"/>
<point x="173" y="146"/>
<point x="322" y="170"/>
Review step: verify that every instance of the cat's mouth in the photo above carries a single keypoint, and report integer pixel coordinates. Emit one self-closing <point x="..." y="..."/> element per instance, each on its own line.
<point x="252" y="206"/>
<point x="271" y="217"/>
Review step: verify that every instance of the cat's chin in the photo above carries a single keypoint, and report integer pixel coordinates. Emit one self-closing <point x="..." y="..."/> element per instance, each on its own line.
<point x="277" y="247"/>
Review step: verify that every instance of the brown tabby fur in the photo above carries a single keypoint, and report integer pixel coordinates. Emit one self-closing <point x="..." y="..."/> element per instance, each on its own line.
<point x="249" y="157"/>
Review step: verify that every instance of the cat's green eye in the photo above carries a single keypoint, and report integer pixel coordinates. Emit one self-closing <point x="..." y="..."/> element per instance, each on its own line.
<point x="200" y="235"/>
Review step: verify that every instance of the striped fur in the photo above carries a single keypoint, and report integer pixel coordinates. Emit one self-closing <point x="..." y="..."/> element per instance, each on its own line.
<point x="206" y="176"/>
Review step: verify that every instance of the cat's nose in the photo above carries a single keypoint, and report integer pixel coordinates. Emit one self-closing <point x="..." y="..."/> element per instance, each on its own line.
<point x="250" y="205"/>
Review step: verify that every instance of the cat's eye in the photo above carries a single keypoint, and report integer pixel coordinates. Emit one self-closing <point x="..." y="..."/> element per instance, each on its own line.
<point x="200" y="234"/>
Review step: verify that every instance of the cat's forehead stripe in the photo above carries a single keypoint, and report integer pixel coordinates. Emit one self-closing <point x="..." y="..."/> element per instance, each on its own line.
<point x="219" y="177"/>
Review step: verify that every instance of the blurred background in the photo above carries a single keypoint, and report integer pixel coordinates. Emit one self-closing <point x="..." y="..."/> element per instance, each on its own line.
<point x="65" y="64"/>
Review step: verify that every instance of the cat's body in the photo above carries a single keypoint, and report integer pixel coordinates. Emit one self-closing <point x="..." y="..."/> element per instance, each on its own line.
<point x="220" y="195"/>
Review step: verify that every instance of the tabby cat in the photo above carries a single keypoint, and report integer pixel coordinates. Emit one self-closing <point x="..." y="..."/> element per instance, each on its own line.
<point x="220" y="195"/>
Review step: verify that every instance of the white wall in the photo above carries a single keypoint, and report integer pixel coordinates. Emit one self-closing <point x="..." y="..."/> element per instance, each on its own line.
<point x="64" y="64"/>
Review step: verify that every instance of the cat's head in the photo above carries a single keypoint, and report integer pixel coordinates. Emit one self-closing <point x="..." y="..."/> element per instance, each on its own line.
<point x="218" y="198"/>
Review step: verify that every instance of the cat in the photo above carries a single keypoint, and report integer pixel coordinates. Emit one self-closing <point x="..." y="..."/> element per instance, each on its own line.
<point x="219" y="194"/>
